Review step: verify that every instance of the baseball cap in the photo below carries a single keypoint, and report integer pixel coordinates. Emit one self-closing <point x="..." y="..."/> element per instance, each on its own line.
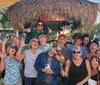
<point x="62" y="35"/>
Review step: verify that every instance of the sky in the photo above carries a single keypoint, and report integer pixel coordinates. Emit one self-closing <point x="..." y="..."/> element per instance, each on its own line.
<point x="10" y="2"/>
<point x="7" y="2"/>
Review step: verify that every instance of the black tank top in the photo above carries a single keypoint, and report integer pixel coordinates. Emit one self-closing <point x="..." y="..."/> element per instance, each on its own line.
<point x="77" y="73"/>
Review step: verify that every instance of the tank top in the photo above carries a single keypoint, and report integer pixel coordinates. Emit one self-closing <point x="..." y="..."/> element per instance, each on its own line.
<point x="77" y="73"/>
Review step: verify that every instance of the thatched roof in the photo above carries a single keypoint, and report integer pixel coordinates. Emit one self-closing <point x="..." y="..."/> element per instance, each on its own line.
<point x="29" y="10"/>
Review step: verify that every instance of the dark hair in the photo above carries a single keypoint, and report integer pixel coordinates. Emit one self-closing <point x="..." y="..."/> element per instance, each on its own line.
<point x="86" y="35"/>
<point x="27" y="25"/>
<point x="38" y="22"/>
<point x="96" y="57"/>
<point x="77" y="36"/>
<point x="95" y="41"/>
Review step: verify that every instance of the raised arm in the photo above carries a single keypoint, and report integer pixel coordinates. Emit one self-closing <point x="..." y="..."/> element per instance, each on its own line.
<point x="20" y="55"/>
<point x="4" y="42"/>
<point x="88" y="76"/>
<point x="2" y="63"/>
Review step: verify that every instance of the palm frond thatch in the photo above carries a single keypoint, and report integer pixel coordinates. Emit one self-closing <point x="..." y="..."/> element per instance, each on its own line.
<point x="27" y="11"/>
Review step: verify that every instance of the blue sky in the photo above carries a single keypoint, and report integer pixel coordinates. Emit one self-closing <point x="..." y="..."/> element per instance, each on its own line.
<point x="97" y="1"/>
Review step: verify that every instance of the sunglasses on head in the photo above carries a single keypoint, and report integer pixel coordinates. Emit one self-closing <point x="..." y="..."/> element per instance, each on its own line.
<point x="35" y="41"/>
<point x="78" y="52"/>
<point x="40" y="24"/>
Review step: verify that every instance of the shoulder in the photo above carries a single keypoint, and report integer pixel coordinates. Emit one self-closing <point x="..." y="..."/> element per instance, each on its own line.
<point x="39" y="51"/>
<point x="42" y="54"/>
<point x="87" y="63"/>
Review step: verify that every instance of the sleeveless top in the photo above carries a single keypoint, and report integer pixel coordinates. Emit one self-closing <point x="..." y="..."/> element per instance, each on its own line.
<point x="77" y="73"/>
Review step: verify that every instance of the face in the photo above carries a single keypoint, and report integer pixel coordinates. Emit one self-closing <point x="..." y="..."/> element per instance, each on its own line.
<point x="94" y="63"/>
<point x="93" y="47"/>
<point x="61" y="41"/>
<point x="42" y="40"/>
<point x="16" y="41"/>
<point x="78" y="42"/>
<point x="34" y="43"/>
<point x="98" y="53"/>
<point x="12" y="50"/>
<point x="76" y="53"/>
<point x="40" y="26"/>
<point x="85" y="40"/>
<point x="53" y="50"/>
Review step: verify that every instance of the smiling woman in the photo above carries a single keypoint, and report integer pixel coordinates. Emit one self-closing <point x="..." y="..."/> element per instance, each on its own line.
<point x="8" y="2"/>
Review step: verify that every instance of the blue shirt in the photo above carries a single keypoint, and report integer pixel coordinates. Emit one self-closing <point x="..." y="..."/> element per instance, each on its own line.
<point x="41" y="62"/>
<point x="12" y="71"/>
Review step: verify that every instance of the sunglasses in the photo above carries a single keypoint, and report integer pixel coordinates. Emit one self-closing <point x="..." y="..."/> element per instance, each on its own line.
<point x="40" y="25"/>
<point x="14" y="47"/>
<point x="78" y="52"/>
<point x="35" y="41"/>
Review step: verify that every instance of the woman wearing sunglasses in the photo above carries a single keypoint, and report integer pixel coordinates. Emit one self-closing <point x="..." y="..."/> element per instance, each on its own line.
<point x="78" y="69"/>
<point x="29" y="56"/>
<point x="95" y="71"/>
<point x="11" y="65"/>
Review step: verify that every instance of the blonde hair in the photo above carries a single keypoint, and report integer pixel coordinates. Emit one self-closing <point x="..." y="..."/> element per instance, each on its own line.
<point x="31" y="41"/>
<point x="76" y="47"/>
<point x="9" y="49"/>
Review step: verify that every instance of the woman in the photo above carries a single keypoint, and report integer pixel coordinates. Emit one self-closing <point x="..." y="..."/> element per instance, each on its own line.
<point x="77" y="69"/>
<point x="95" y="71"/>
<point x="92" y="49"/>
<point x="29" y="56"/>
<point x="86" y="40"/>
<point x="12" y="68"/>
<point x="98" y="52"/>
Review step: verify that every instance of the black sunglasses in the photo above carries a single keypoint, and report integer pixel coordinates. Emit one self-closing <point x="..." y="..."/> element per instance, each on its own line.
<point x="40" y="25"/>
<point x="14" y="47"/>
<point x="78" y="52"/>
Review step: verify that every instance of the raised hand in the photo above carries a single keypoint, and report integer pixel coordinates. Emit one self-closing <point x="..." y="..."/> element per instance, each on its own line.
<point x="5" y="41"/>
<point x="22" y="43"/>
<point x="2" y="56"/>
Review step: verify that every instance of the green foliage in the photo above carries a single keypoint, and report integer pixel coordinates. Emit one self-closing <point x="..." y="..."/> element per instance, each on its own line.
<point x="4" y="18"/>
<point x="95" y="30"/>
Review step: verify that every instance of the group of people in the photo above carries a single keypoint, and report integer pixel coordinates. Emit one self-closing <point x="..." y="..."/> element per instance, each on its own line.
<point x="33" y="61"/>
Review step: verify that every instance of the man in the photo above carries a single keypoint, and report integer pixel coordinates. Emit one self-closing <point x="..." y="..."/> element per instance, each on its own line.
<point x="43" y="45"/>
<point x="48" y="67"/>
<point x="39" y="29"/>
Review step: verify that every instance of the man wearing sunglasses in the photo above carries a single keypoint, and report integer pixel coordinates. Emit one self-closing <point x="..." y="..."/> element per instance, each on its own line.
<point x="39" y="29"/>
